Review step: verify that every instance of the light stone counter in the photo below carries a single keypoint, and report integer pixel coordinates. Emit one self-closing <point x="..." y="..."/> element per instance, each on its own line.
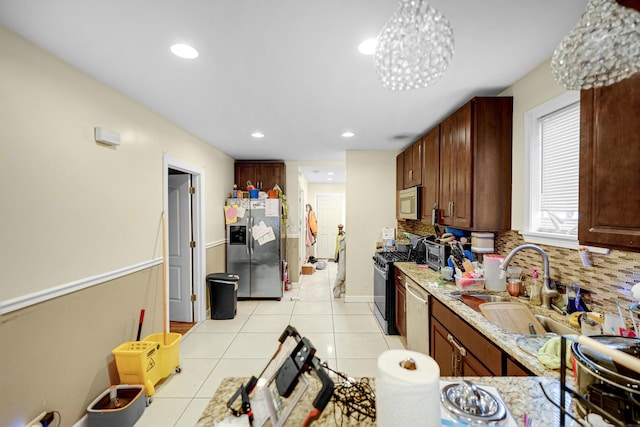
<point x="505" y="340"/>
<point x="520" y="394"/>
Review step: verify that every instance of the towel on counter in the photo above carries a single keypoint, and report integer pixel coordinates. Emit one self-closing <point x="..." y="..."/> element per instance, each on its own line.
<point x="549" y="353"/>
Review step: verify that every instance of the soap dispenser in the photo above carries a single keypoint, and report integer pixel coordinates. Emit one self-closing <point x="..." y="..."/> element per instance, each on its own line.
<point x="534" y="292"/>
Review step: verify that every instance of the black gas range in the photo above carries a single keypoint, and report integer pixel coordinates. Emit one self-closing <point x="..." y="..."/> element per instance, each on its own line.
<point x="384" y="292"/>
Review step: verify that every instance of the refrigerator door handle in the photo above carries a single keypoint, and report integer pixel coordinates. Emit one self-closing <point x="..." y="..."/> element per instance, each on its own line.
<point x="251" y="240"/>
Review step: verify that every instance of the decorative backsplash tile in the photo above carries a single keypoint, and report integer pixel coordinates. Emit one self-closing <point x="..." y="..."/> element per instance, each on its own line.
<point x="608" y="280"/>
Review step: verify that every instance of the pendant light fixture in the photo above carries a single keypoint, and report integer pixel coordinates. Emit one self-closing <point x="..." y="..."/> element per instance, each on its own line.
<point x="602" y="49"/>
<point x="414" y="47"/>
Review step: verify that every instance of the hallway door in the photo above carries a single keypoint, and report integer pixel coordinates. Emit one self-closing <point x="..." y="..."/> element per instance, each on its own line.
<point x="330" y="212"/>
<point x="179" y="248"/>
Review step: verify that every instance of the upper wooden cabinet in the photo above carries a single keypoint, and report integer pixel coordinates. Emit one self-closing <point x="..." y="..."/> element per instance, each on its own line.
<point x="400" y="171"/>
<point x="263" y="175"/>
<point x="413" y="165"/>
<point x="610" y="165"/>
<point x="475" y="165"/>
<point x="430" y="172"/>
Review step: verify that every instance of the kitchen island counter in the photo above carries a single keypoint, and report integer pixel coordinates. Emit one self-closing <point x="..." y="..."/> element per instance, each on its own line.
<point x="520" y="394"/>
<point x="505" y="340"/>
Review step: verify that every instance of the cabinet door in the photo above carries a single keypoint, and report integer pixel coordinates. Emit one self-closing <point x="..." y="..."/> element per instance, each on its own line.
<point x="413" y="165"/>
<point x="447" y="169"/>
<point x="462" y="178"/>
<point x="401" y="314"/>
<point x="515" y="370"/>
<point x="609" y="159"/>
<point x="245" y="172"/>
<point x="400" y="172"/>
<point x="430" y="172"/>
<point x="441" y="349"/>
<point x="270" y="174"/>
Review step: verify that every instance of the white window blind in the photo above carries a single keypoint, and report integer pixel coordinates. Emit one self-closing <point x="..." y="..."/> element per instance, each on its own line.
<point x="557" y="204"/>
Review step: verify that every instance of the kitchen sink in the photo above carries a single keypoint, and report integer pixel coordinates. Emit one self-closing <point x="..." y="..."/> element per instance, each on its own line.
<point x="554" y="326"/>
<point x="485" y="297"/>
<point x="474" y="300"/>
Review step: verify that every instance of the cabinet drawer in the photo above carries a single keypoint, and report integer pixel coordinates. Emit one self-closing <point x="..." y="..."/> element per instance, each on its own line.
<point x="467" y="336"/>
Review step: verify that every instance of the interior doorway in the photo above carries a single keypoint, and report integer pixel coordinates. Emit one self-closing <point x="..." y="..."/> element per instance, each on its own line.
<point x="330" y="213"/>
<point x="179" y="246"/>
<point x="185" y="269"/>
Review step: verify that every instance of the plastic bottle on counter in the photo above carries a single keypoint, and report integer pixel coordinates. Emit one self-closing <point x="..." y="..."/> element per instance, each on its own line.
<point x="534" y="291"/>
<point x="235" y="191"/>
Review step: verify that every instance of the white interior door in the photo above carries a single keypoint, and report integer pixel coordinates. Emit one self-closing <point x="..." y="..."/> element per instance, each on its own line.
<point x="179" y="249"/>
<point x="330" y="213"/>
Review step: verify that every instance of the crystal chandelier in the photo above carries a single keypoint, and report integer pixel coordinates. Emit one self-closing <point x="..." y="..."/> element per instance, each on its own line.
<point x="414" y="47"/>
<point x="602" y="49"/>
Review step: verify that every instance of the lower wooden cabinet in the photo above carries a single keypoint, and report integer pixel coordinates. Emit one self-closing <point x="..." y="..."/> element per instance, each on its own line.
<point x="452" y="357"/>
<point x="460" y="350"/>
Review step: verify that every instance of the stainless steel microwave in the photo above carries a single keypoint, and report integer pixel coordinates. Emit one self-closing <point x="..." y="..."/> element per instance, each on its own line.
<point x="409" y="203"/>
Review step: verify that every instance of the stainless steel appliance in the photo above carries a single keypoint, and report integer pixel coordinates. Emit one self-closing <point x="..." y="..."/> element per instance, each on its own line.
<point x="384" y="291"/>
<point x="409" y="203"/>
<point x="417" y="308"/>
<point x="254" y="247"/>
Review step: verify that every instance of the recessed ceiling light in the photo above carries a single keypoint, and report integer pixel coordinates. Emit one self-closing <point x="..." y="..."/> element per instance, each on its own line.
<point x="368" y="47"/>
<point x="330" y="173"/>
<point x="184" y="51"/>
<point x="257" y="135"/>
<point x="348" y="134"/>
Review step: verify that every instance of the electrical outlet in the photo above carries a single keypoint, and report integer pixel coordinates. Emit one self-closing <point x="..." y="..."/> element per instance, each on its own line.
<point x="36" y="421"/>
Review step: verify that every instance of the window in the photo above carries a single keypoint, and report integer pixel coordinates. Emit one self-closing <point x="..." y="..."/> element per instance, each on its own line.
<point x="552" y="149"/>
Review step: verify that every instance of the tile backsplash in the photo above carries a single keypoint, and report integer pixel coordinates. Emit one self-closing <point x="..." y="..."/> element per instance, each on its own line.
<point x="608" y="279"/>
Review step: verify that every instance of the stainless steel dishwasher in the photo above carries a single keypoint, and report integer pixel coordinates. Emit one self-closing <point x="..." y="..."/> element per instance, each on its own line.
<point x="417" y="305"/>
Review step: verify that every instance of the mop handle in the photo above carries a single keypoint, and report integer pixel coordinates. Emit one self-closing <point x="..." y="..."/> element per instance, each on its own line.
<point x="140" y="324"/>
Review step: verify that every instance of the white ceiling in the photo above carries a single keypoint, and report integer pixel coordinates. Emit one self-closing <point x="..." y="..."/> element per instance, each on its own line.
<point x="288" y="68"/>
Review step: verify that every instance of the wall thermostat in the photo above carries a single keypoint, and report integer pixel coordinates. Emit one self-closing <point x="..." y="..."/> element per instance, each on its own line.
<point x="107" y="136"/>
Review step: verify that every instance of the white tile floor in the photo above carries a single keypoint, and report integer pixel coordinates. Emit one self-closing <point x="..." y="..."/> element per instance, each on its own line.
<point x="346" y="335"/>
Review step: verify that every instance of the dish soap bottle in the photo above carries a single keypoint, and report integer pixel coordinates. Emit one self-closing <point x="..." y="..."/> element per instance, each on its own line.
<point x="534" y="292"/>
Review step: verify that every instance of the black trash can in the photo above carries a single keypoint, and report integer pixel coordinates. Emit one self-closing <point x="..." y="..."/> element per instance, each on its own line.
<point x="223" y="295"/>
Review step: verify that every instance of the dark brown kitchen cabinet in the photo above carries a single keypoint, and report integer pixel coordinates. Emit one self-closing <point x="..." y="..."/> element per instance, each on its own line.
<point x="430" y="172"/>
<point x="263" y="175"/>
<point x="401" y="310"/>
<point x="514" y="369"/>
<point x="609" y="166"/>
<point x="459" y="349"/>
<point x="475" y="165"/>
<point x="453" y="358"/>
<point x="400" y="172"/>
<point x="413" y="165"/>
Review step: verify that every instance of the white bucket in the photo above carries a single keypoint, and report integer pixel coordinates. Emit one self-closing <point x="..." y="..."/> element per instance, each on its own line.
<point x="496" y="278"/>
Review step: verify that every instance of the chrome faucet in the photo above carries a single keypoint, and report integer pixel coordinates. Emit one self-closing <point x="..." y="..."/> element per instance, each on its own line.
<point x="547" y="293"/>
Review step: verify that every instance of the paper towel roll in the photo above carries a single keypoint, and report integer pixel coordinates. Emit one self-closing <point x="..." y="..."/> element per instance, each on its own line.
<point x="404" y="396"/>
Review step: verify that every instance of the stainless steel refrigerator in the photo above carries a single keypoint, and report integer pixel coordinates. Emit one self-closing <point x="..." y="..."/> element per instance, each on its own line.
<point x="254" y="246"/>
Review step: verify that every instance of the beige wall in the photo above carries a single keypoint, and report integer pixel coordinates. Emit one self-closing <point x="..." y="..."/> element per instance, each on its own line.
<point x="532" y="90"/>
<point x="73" y="209"/>
<point x="370" y="200"/>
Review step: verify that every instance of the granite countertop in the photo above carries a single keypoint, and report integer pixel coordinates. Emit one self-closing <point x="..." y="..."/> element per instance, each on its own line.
<point x="505" y="340"/>
<point x="520" y="394"/>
